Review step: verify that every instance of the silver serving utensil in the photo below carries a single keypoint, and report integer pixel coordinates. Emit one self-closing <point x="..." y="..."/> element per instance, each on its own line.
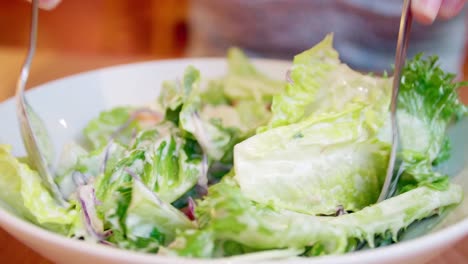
<point x="33" y="131"/>
<point x="389" y="185"/>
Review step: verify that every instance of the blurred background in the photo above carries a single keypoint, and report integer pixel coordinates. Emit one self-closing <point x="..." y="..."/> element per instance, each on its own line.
<point x="105" y="27"/>
<point x="82" y="35"/>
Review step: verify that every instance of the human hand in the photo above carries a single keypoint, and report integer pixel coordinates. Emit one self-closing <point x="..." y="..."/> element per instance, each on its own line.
<point x="48" y="4"/>
<point x="426" y="11"/>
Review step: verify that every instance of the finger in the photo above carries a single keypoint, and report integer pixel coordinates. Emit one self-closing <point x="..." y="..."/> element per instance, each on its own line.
<point x="451" y="8"/>
<point x="425" y="11"/>
<point x="48" y="4"/>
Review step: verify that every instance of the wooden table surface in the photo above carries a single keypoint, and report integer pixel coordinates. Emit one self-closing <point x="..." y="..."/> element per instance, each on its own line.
<point x="48" y="66"/>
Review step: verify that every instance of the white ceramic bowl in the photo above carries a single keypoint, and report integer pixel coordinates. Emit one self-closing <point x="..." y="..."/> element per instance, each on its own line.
<point x="67" y="104"/>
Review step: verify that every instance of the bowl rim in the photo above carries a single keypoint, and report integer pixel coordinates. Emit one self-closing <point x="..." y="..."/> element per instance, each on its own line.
<point x="444" y="237"/>
<point x="190" y="60"/>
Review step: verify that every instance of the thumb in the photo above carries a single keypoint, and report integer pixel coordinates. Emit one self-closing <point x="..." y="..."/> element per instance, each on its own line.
<point x="425" y="11"/>
<point x="451" y="8"/>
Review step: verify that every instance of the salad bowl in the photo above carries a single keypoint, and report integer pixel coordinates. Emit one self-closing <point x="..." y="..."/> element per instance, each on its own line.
<point x="67" y="105"/>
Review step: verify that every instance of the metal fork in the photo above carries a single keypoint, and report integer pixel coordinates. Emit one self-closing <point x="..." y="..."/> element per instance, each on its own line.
<point x="391" y="179"/>
<point x="33" y="131"/>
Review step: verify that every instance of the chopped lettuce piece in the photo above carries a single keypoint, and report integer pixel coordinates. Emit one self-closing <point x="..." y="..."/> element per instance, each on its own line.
<point x="92" y="225"/>
<point x="210" y="114"/>
<point x="228" y="215"/>
<point x="227" y="115"/>
<point x="310" y="72"/>
<point x="320" y="83"/>
<point x="427" y="104"/>
<point x="175" y="93"/>
<point x="214" y="94"/>
<point x="314" y="166"/>
<point x="244" y="117"/>
<point x="113" y="124"/>
<point x="138" y="218"/>
<point x="147" y="211"/>
<point x="170" y="168"/>
<point x="211" y="136"/>
<point x="429" y="95"/>
<point x="70" y="154"/>
<point x="171" y="96"/>
<point x="161" y="158"/>
<point x="202" y="244"/>
<point x="194" y="243"/>
<point x="252" y="115"/>
<point x="24" y="193"/>
<point x="77" y="167"/>
<point x="244" y="81"/>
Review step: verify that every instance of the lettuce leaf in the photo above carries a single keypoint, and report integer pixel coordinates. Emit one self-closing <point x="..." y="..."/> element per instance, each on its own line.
<point x="328" y="140"/>
<point x="165" y="167"/>
<point x="77" y="166"/>
<point x="24" y="193"/>
<point x="221" y="111"/>
<point x="320" y="149"/>
<point x="147" y="212"/>
<point x="245" y="82"/>
<point x="213" y="94"/>
<point x="139" y="218"/>
<point x="313" y="166"/>
<point x="226" y="214"/>
<point x="320" y="83"/>
<point x="428" y="103"/>
<point x="170" y="168"/>
<point x="212" y="137"/>
<point x="111" y="124"/>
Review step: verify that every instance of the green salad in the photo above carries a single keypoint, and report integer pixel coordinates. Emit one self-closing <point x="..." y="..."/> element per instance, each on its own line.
<point x="245" y="163"/>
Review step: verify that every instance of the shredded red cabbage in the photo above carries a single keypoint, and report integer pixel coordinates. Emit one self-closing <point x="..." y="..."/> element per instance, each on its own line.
<point x="288" y="77"/>
<point x="191" y="209"/>
<point x="93" y="224"/>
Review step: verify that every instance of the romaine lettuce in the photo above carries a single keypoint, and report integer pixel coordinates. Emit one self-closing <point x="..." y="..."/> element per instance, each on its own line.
<point x="226" y="214"/>
<point x="320" y="83"/>
<point x="245" y="82"/>
<point x="113" y="124"/>
<point x="294" y="168"/>
<point x="313" y="166"/>
<point x="24" y="193"/>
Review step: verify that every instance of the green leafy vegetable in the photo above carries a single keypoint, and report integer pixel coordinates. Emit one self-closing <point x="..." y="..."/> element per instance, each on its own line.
<point x="320" y="149"/>
<point x="313" y="166"/>
<point x="213" y="139"/>
<point x="245" y="82"/>
<point x="77" y="166"/>
<point x="24" y="193"/>
<point x="214" y="94"/>
<point x="100" y="130"/>
<point x="170" y="168"/>
<point x="147" y="214"/>
<point x="228" y="215"/>
<point x="291" y="168"/>
<point x="139" y="219"/>
<point x="320" y="83"/>
<point x="427" y="104"/>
